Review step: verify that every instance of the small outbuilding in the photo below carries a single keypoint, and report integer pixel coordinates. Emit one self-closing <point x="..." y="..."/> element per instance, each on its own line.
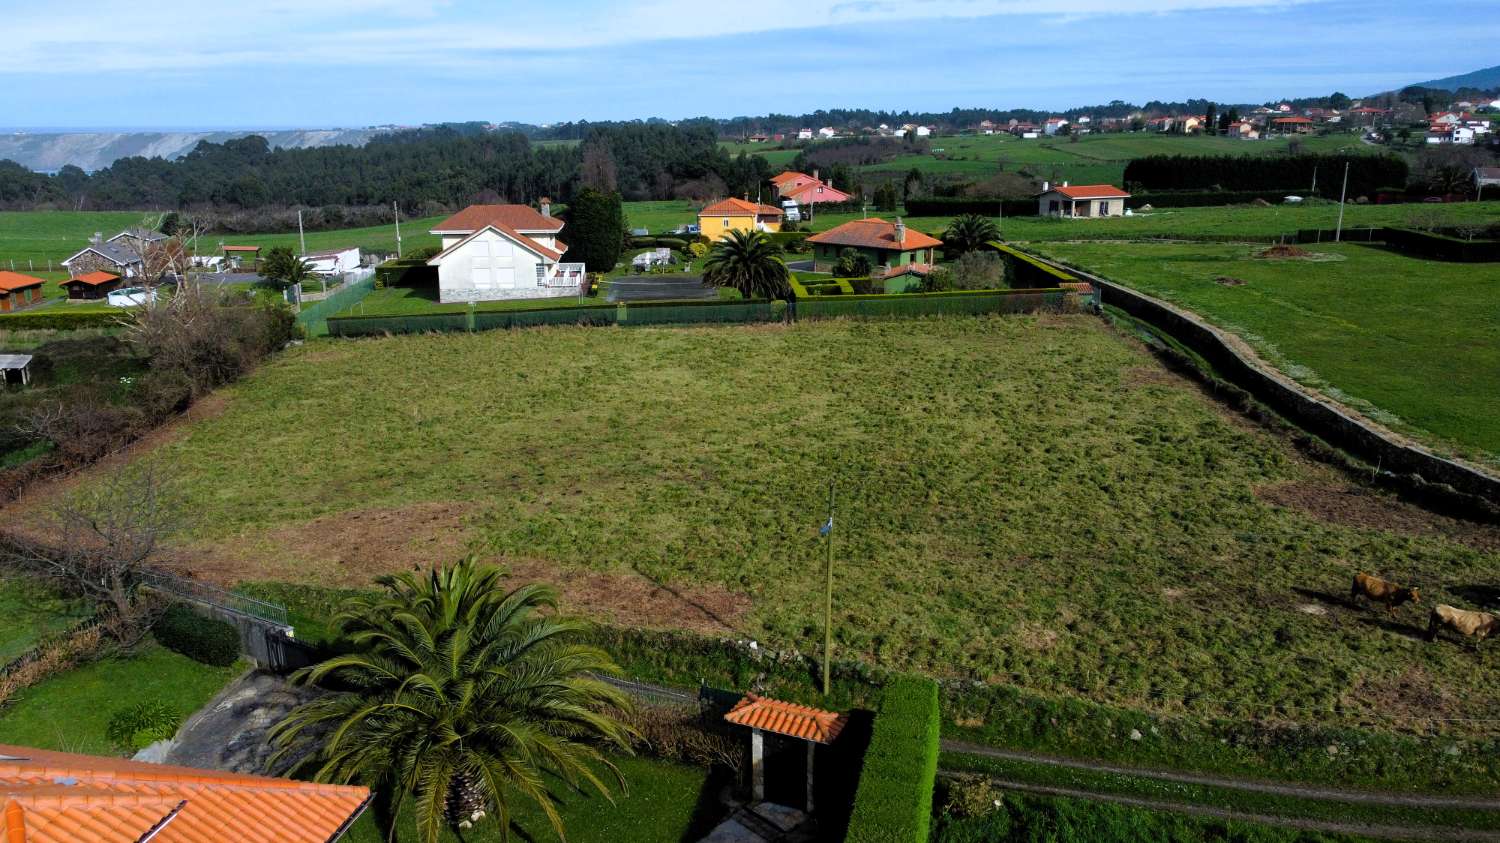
<point x="784" y="736"/>
<point x="1081" y="201"/>
<point x="18" y="291"/>
<point x="91" y="285"/>
<point x="15" y="367"/>
<point x="236" y="255"/>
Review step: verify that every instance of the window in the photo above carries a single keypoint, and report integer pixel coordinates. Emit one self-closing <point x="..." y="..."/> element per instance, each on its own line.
<point x="726" y="222"/>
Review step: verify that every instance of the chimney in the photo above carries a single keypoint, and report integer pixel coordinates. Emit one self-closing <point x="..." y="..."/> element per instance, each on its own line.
<point x="900" y="232"/>
<point x="97" y="239"/>
<point x="1065" y="182"/>
<point x="546" y="206"/>
<point x="1046" y="186"/>
<point x="815" y="176"/>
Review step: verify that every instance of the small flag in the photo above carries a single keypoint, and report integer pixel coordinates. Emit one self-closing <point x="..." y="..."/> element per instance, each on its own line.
<point x="827" y="527"/>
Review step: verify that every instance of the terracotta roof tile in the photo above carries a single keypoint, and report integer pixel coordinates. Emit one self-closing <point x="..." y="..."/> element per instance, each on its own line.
<point x="789" y="175"/>
<point x="12" y="281"/>
<point x="1090" y="191"/>
<point x="56" y="797"/>
<point x="737" y="208"/>
<point x="784" y="718"/>
<point x="874" y="233"/>
<point x="520" y="239"/>
<point x="518" y="217"/>
<point x="96" y="278"/>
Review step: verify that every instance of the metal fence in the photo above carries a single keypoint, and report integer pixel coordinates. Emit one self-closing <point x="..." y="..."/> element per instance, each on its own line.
<point x="204" y="593"/>
<point x="628" y="314"/>
<point x="314" y="317"/>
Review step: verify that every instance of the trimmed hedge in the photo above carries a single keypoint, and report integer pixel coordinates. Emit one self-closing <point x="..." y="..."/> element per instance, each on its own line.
<point x="1367" y="173"/>
<point x="408" y="272"/>
<point x="821" y="287"/>
<point x="894" y="800"/>
<point x="207" y="640"/>
<point x="1438" y="246"/>
<point x="1030" y="271"/>
<point x="60" y="320"/>
<point x="986" y="207"/>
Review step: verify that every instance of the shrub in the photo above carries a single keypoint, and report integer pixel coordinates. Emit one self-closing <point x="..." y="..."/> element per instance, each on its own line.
<point x="213" y="642"/>
<point x="137" y="726"/>
<point x="894" y="800"/>
<point x="405" y="272"/>
<point x="978" y="271"/>
<point x="678" y="734"/>
<point x="852" y="264"/>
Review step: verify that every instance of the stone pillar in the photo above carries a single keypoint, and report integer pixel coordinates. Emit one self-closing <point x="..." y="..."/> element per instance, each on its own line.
<point x="812" y="749"/>
<point x="757" y="766"/>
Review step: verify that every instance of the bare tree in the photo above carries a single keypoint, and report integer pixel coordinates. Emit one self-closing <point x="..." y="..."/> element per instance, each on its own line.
<point x="105" y="537"/>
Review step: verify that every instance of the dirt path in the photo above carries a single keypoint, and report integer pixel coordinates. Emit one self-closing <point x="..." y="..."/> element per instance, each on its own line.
<point x="1392" y="832"/>
<point x="1362" y="797"/>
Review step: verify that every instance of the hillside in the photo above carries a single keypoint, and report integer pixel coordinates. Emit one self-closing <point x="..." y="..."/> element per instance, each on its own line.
<point x="1486" y="79"/>
<point x="51" y="151"/>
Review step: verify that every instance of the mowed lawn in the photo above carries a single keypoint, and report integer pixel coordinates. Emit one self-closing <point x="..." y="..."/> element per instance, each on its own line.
<point x="1408" y="341"/>
<point x="1027" y="499"/>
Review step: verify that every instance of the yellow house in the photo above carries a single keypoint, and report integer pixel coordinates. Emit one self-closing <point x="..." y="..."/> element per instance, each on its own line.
<point x="717" y="220"/>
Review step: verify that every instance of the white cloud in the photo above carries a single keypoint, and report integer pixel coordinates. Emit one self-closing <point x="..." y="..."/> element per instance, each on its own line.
<point x="94" y="36"/>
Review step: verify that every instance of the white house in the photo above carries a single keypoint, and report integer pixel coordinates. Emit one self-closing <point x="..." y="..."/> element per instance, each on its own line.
<point x="1243" y="130"/>
<point x="828" y="133"/>
<point x="804" y="134"/>
<point x="493" y="252"/>
<point x="333" y="261"/>
<point x="1084" y="200"/>
<point x="1053" y="125"/>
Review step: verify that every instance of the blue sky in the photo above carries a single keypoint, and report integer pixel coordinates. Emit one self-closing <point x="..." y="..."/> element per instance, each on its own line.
<point x="341" y="63"/>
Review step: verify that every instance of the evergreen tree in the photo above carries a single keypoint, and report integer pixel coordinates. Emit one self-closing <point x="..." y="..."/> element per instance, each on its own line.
<point x="594" y="231"/>
<point x="1210" y="119"/>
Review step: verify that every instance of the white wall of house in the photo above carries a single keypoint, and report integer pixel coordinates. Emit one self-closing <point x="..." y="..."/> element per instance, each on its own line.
<point x="492" y="267"/>
<point x="337" y="264"/>
<point x="1053" y="203"/>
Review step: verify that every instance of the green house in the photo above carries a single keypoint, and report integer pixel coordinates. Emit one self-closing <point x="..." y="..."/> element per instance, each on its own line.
<point x="887" y="245"/>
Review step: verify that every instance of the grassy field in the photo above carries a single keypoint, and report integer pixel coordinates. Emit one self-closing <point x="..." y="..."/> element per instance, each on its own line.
<point x="1399" y="338"/>
<point x="70" y="711"/>
<point x="661" y="804"/>
<point x="31" y="611"/>
<point x="1023" y="500"/>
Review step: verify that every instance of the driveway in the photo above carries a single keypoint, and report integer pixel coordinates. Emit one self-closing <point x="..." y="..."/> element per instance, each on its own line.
<point x="660" y="288"/>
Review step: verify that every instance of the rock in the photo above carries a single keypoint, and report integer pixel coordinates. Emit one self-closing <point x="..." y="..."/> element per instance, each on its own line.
<point x="1135" y="734"/>
<point x="1452" y="750"/>
<point x="1333" y="749"/>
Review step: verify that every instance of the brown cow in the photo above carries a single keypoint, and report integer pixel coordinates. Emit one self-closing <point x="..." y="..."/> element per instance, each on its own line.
<point x="1476" y="625"/>
<point x="1383" y="591"/>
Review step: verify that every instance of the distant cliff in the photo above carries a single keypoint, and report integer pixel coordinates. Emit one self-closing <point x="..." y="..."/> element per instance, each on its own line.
<point x="49" y="152"/>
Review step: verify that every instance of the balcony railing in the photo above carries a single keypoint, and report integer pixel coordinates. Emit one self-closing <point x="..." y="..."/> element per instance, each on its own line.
<point x="564" y="275"/>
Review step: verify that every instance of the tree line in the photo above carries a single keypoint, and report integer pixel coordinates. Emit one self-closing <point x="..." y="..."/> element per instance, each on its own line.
<point x="1367" y="173"/>
<point x="423" y="170"/>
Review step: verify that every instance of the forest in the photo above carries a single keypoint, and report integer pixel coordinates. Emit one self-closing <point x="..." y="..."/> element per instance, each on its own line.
<point x="423" y="170"/>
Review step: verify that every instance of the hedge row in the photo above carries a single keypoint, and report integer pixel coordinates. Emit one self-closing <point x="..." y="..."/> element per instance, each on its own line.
<point x="405" y="272"/>
<point x="59" y="319"/>
<point x="202" y="639"/>
<point x="940" y="207"/>
<point x="1440" y="246"/>
<point x="1367" y="173"/>
<point x="1023" y="268"/>
<point x="675" y="243"/>
<point x="822" y="287"/>
<point x="986" y="207"/>
<point x="894" y="800"/>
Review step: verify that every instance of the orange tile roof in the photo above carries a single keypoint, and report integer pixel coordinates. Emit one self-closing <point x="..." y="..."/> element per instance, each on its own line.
<point x="738" y="208"/>
<point x="12" y="281"/>
<point x="789" y="175"/>
<point x="95" y="278"/>
<point x="874" y="233"/>
<point x="1292" y="120"/>
<point x="784" y="718"/>
<point x="1090" y="191"/>
<point x="242" y="248"/>
<point x="60" y="797"/>
<point x="518" y="217"/>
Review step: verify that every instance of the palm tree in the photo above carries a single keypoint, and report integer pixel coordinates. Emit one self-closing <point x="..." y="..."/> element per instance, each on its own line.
<point x="749" y="262"/>
<point x="459" y="697"/>
<point x="968" y="233"/>
<point x="285" y="269"/>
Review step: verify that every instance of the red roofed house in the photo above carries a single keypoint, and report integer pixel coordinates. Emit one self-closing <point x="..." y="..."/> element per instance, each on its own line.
<point x="1244" y="130"/>
<point x="18" y="291"/>
<point x="890" y="246"/>
<point x="1082" y="200"/>
<point x="1293" y="125"/>
<point x="496" y="252"/>
<point x="59" y="797"/>
<point x="806" y="190"/>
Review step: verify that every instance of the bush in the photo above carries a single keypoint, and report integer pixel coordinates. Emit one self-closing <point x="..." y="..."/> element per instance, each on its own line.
<point x="789" y="241"/>
<point x="405" y="272"/>
<point x="894" y="800"/>
<point x="207" y="640"/>
<point x="137" y="726"/>
<point x="978" y="271"/>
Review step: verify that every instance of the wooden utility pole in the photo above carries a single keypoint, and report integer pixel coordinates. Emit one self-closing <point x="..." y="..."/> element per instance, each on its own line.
<point x="1338" y="233"/>
<point x="397" y="209"/>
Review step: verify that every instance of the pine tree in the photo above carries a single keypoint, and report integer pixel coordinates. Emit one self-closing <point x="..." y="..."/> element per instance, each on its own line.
<point x="593" y="231"/>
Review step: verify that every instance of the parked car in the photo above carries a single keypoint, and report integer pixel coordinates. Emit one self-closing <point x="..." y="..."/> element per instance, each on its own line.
<point x="130" y="297"/>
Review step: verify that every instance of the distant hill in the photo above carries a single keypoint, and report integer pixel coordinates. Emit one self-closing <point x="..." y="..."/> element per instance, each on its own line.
<point x="1485" y="79"/>
<point x="49" y="152"/>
